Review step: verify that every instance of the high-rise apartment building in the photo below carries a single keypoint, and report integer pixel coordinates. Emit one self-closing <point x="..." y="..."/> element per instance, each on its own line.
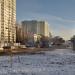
<point x="43" y="28"/>
<point x="35" y="27"/>
<point x="7" y="21"/>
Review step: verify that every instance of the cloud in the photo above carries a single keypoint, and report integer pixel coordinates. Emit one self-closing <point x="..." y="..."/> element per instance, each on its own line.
<point x="43" y="16"/>
<point x="64" y="32"/>
<point x="62" y="19"/>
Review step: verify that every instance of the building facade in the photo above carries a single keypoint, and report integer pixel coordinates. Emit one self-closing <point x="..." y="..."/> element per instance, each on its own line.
<point x="19" y="33"/>
<point x="7" y="21"/>
<point x="43" y="28"/>
<point x="35" y="27"/>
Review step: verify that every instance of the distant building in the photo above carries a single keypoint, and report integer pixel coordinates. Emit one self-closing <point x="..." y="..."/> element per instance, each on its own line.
<point x="35" y="27"/>
<point x="7" y="21"/>
<point x="19" y="33"/>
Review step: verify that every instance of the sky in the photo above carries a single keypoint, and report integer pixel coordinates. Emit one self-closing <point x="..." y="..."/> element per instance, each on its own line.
<point x="60" y="14"/>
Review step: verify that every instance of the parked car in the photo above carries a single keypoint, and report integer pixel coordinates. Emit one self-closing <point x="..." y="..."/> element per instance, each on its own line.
<point x="30" y="44"/>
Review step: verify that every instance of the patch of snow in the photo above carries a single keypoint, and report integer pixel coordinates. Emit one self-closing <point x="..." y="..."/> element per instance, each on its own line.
<point x="58" y="62"/>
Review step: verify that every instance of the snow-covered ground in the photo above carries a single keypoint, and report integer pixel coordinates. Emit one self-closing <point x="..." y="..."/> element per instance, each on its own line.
<point x="58" y="62"/>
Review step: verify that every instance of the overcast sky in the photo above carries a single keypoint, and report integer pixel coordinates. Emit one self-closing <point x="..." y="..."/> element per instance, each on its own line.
<point x="60" y="14"/>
